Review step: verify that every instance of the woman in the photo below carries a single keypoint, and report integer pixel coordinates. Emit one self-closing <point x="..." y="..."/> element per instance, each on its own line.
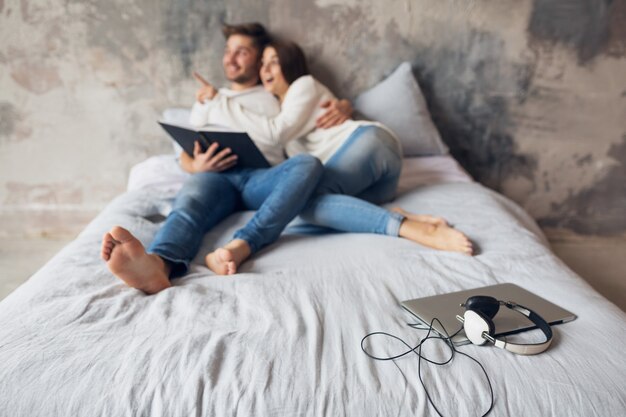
<point x="362" y="159"/>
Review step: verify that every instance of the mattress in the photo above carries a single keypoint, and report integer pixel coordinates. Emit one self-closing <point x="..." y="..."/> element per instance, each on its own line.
<point x="283" y="336"/>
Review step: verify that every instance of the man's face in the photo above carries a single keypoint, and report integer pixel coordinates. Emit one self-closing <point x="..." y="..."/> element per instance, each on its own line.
<point x="241" y="60"/>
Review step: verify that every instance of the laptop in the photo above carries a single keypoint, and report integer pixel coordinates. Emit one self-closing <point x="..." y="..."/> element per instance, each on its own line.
<point x="445" y="307"/>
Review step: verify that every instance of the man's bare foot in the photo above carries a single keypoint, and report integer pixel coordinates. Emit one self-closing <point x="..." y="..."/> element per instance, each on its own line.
<point x="226" y="260"/>
<point x="436" y="236"/>
<point x="221" y="262"/>
<point x="420" y="217"/>
<point x="127" y="259"/>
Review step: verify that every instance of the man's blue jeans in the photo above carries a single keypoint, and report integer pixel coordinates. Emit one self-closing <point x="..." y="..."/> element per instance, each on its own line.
<point x="278" y="194"/>
<point x="367" y="166"/>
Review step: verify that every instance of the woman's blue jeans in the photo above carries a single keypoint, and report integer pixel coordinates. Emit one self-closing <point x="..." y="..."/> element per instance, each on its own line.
<point x="364" y="172"/>
<point x="277" y="194"/>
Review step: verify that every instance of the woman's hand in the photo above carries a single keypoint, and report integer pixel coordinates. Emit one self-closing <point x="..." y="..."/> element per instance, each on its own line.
<point x="337" y="112"/>
<point x="206" y="91"/>
<point x="208" y="161"/>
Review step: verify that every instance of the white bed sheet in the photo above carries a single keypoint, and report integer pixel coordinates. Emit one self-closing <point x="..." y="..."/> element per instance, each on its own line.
<point x="282" y="337"/>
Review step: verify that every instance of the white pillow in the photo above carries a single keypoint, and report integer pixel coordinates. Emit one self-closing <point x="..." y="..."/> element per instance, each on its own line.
<point x="178" y="115"/>
<point x="398" y="103"/>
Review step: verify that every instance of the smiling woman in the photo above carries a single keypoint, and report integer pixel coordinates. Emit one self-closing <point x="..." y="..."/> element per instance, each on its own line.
<point x="282" y="64"/>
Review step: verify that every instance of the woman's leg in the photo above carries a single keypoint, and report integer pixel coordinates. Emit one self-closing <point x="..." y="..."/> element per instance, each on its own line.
<point x="351" y="214"/>
<point x="367" y="165"/>
<point x="368" y="160"/>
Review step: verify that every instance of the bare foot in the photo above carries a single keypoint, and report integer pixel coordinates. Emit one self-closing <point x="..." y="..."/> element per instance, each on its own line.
<point x="421" y="217"/>
<point x="226" y="260"/>
<point x="221" y="262"/>
<point x="436" y="236"/>
<point x="127" y="259"/>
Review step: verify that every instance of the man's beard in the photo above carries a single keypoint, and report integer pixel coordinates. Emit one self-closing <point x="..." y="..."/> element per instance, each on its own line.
<point x="244" y="78"/>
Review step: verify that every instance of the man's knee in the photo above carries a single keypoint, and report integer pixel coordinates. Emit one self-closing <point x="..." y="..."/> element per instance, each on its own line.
<point x="203" y="181"/>
<point x="202" y="189"/>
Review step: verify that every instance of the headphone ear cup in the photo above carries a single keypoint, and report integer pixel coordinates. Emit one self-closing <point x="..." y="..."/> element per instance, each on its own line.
<point x="475" y="324"/>
<point x="488" y="306"/>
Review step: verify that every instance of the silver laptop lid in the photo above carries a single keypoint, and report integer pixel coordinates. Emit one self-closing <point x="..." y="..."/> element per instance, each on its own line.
<point x="445" y="307"/>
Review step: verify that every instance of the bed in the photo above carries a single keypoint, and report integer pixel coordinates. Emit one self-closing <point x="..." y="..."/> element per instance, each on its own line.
<point x="282" y="337"/>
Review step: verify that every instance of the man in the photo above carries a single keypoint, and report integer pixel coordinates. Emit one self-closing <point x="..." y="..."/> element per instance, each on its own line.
<point x="278" y="194"/>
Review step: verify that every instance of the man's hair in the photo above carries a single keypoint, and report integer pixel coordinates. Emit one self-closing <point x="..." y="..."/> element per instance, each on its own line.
<point x="291" y="58"/>
<point x="256" y="31"/>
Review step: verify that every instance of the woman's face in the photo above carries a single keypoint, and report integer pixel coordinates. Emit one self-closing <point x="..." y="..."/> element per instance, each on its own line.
<point x="271" y="74"/>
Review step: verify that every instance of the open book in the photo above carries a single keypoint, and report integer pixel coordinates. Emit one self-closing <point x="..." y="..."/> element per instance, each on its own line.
<point x="249" y="156"/>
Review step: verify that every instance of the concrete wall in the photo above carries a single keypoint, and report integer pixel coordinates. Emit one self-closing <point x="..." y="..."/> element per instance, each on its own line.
<point x="529" y="94"/>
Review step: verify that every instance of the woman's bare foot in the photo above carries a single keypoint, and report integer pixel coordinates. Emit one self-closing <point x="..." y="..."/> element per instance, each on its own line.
<point x="420" y="217"/>
<point x="127" y="259"/>
<point x="226" y="260"/>
<point x="436" y="236"/>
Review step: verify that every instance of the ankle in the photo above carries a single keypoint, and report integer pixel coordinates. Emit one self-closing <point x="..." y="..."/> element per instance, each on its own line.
<point x="163" y="264"/>
<point x="408" y="228"/>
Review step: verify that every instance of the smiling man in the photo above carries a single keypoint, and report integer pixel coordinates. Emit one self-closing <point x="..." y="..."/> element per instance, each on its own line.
<point x="218" y="187"/>
<point x="241" y="59"/>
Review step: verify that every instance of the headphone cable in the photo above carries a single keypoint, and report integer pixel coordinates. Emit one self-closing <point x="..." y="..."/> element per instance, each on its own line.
<point x="418" y="351"/>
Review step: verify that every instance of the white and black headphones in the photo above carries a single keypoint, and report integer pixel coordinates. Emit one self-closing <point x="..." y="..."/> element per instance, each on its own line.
<point x="479" y="327"/>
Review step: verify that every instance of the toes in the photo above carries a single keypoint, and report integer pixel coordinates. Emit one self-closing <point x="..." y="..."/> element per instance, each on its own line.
<point x="120" y="234"/>
<point x="231" y="267"/>
<point x="107" y="246"/>
<point x="105" y="252"/>
<point x="467" y="246"/>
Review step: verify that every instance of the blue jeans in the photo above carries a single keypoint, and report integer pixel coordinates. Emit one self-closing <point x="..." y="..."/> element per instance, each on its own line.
<point x="278" y="194"/>
<point x="364" y="172"/>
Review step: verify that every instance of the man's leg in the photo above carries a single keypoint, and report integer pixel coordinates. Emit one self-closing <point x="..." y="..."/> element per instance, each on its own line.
<point x="204" y="200"/>
<point x="278" y="194"/>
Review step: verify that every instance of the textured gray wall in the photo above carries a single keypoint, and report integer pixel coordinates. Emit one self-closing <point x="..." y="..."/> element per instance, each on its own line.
<point x="529" y="95"/>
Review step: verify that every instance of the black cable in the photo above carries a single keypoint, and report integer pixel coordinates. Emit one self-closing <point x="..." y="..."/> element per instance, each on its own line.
<point x="418" y="351"/>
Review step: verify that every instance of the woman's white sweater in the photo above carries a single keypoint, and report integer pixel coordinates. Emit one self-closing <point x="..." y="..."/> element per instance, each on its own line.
<point x="294" y="127"/>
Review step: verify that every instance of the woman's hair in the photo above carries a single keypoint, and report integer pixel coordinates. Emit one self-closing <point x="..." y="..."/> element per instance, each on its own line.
<point x="291" y="57"/>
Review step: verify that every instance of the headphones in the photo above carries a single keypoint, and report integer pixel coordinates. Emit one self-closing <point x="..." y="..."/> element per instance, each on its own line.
<point x="479" y="327"/>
